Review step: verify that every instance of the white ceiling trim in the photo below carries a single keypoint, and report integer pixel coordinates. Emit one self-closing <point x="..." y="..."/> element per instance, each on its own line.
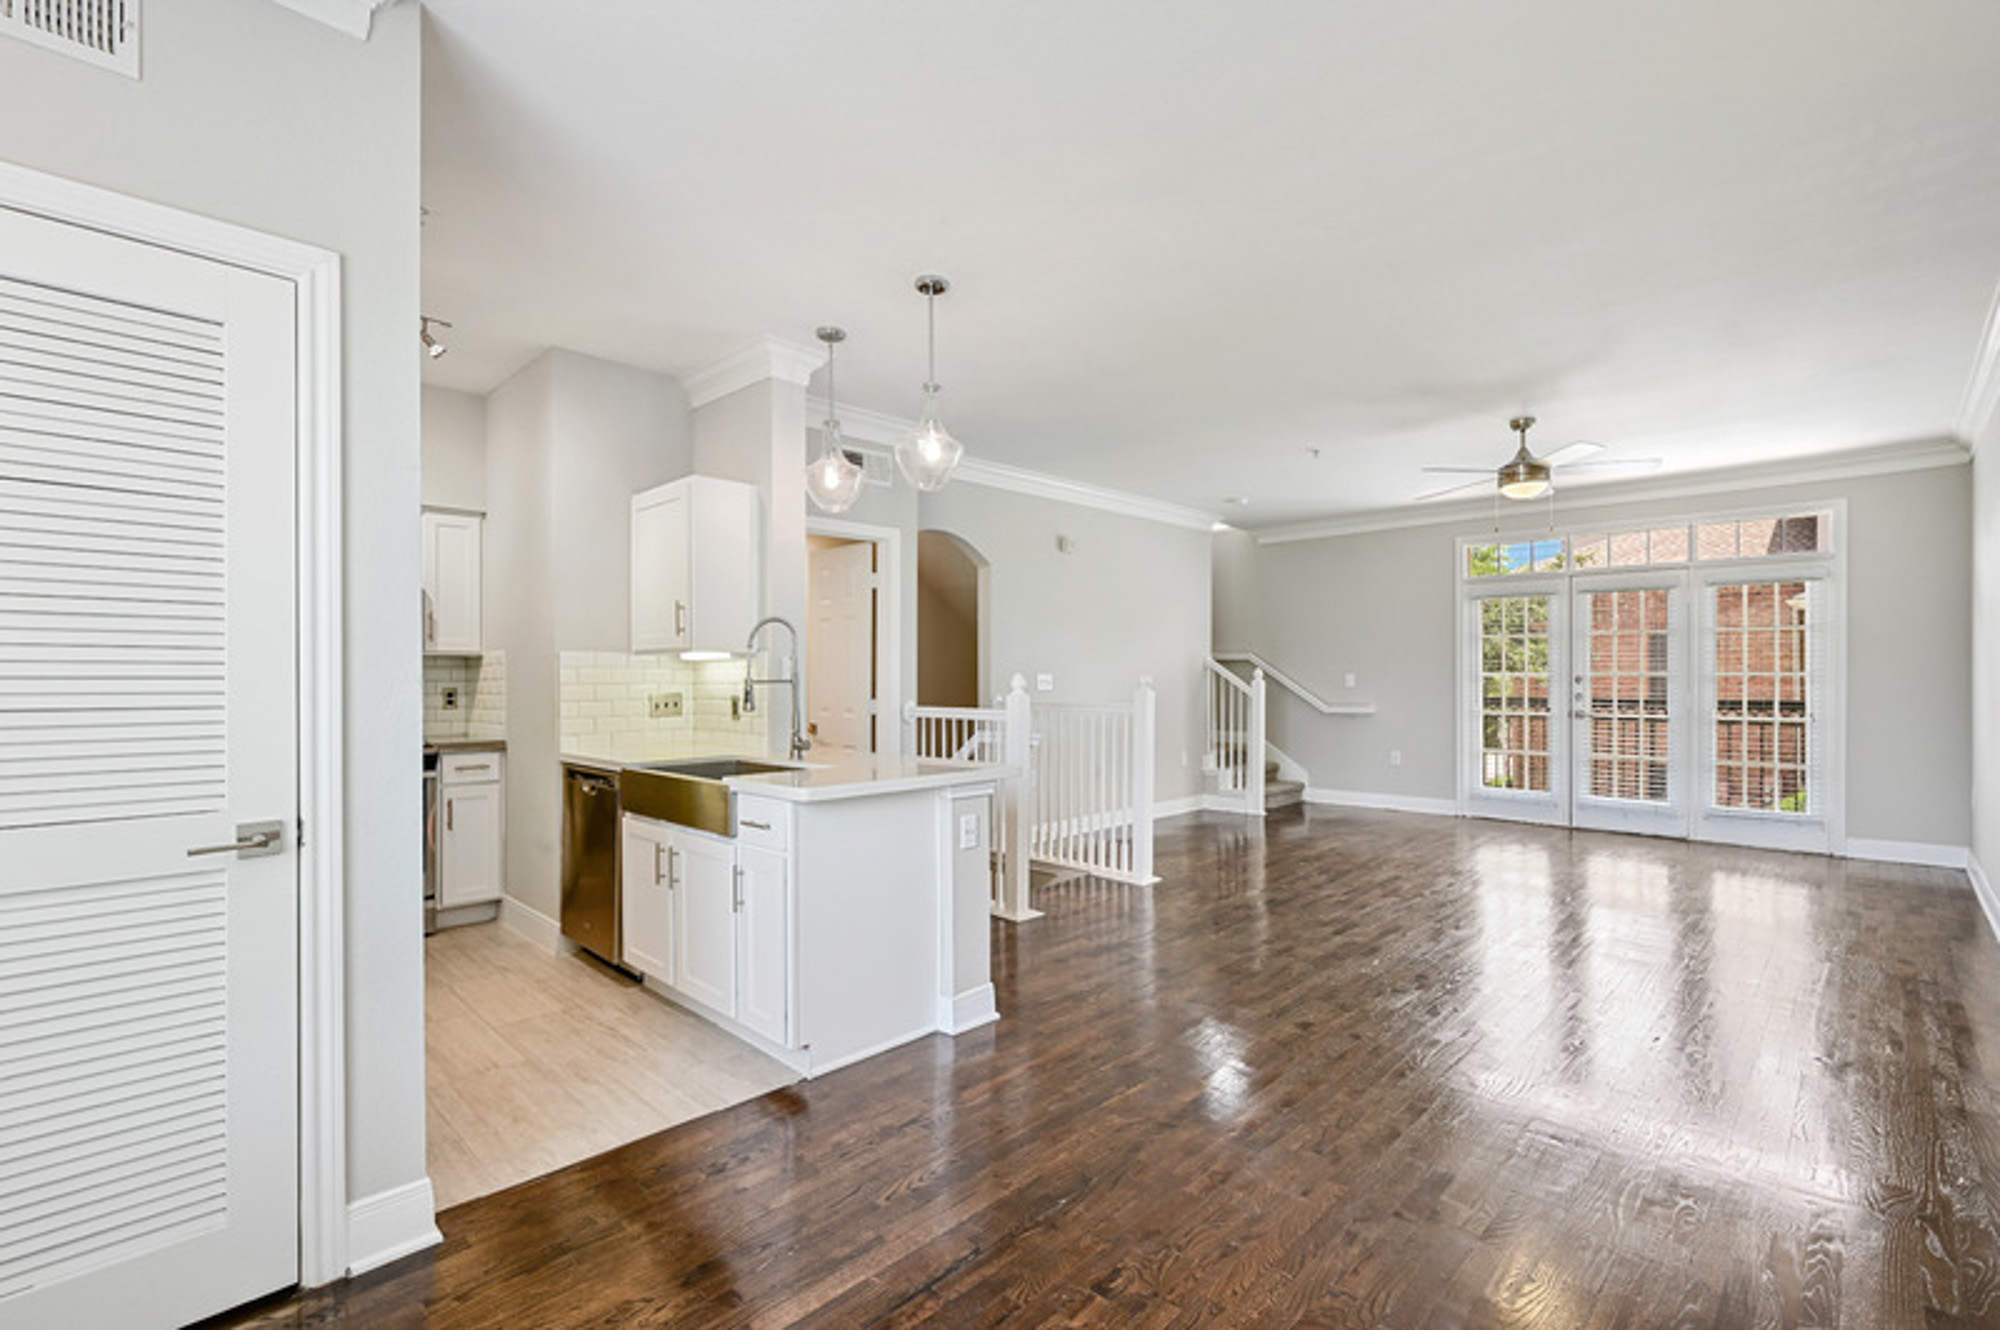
<point x="1801" y="471"/>
<point x="353" y="17"/>
<point x="860" y="425"/>
<point x="765" y="358"/>
<point x="1982" y="389"/>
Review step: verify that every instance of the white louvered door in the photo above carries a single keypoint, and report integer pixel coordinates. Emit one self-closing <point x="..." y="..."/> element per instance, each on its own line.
<point x="148" y="997"/>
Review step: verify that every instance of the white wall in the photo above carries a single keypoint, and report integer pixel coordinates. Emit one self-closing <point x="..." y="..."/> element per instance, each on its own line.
<point x="454" y="450"/>
<point x="1382" y="605"/>
<point x="569" y="440"/>
<point x="1986" y="664"/>
<point x="1130" y="598"/>
<point x="255" y="115"/>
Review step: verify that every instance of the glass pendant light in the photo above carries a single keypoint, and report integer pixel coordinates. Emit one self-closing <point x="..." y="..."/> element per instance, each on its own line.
<point x="833" y="479"/>
<point x="927" y="454"/>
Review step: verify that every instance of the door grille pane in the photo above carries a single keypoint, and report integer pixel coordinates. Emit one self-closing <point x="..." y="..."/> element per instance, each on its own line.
<point x="1514" y="693"/>
<point x="112" y="547"/>
<point x="1625" y="693"/>
<point x="1762" y="685"/>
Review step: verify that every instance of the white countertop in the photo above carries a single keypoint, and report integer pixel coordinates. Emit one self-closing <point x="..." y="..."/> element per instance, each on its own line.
<point x="857" y="777"/>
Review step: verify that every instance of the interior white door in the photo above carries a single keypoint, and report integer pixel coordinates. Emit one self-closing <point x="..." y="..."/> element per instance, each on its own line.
<point x="1629" y="704"/>
<point x="840" y="666"/>
<point x="148" y="1063"/>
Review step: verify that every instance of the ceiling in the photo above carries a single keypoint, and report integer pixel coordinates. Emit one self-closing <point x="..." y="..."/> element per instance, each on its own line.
<point x="1192" y="243"/>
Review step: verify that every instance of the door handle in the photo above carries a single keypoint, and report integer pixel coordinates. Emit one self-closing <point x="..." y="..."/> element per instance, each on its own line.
<point x="254" y="840"/>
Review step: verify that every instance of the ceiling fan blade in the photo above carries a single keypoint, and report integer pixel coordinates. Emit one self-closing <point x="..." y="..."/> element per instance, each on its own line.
<point x="1461" y="470"/>
<point x="1470" y="485"/>
<point x="1571" y="453"/>
<point x="1618" y="464"/>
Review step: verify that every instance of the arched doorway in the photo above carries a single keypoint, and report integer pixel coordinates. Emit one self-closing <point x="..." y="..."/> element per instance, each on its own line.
<point x="953" y="601"/>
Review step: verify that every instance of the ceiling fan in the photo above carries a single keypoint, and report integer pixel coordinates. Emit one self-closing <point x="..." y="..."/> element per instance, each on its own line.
<point x="1526" y="476"/>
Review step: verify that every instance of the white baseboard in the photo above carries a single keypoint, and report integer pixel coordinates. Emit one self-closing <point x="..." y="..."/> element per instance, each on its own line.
<point x="390" y="1225"/>
<point x="1392" y="803"/>
<point x="968" y="1011"/>
<point x="1982" y="887"/>
<point x="1191" y="803"/>
<point x="528" y="922"/>
<point x="1908" y="852"/>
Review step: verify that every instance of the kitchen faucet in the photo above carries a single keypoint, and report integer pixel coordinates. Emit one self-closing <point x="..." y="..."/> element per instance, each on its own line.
<point x="790" y="679"/>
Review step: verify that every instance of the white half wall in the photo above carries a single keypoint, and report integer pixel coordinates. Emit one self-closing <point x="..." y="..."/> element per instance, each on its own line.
<point x="1985" y="656"/>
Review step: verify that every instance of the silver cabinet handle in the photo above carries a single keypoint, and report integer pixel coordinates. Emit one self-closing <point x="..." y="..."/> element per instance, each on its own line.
<point x="253" y="840"/>
<point x="657" y="847"/>
<point x="736" y="889"/>
<point x="673" y="868"/>
<point x="447" y="815"/>
<point x="761" y="826"/>
<point x="680" y="619"/>
<point x="473" y="766"/>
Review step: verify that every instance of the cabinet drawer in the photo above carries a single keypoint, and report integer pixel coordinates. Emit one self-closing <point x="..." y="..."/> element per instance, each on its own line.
<point x="469" y="768"/>
<point x="763" y="822"/>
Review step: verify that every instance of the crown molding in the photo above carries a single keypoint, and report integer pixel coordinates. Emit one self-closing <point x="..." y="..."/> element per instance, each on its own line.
<point x="997" y="475"/>
<point x="765" y="358"/>
<point x="1851" y="465"/>
<point x="860" y="425"/>
<point x="353" y="17"/>
<point x="1982" y="386"/>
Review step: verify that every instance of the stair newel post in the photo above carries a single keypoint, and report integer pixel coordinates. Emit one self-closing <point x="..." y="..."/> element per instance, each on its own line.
<point x="1017" y="812"/>
<point x="1253" y="748"/>
<point x="1144" y="707"/>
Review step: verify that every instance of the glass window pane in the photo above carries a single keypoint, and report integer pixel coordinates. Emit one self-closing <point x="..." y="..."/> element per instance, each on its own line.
<point x="1669" y="544"/>
<point x="1590" y="551"/>
<point x="1628" y="548"/>
<point x="1715" y="540"/>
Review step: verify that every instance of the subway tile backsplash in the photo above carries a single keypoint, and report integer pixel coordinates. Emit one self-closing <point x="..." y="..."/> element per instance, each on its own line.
<point x="481" y="684"/>
<point x="604" y="699"/>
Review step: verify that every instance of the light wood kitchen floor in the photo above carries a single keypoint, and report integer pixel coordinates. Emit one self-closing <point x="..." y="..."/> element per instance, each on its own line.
<point x="538" y="1061"/>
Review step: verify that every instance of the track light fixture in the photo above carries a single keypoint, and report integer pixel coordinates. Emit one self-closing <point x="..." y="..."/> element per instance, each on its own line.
<point x="432" y="346"/>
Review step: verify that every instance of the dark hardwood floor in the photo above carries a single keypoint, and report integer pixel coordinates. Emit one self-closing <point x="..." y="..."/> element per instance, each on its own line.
<point x="1348" y="1069"/>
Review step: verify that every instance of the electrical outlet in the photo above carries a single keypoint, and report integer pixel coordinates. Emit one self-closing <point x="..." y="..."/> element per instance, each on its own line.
<point x="1395" y="757"/>
<point x="449" y="699"/>
<point x="735" y="707"/>
<point x="1045" y="683"/>
<point x="665" y="706"/>
<point x="1350" y="678"/>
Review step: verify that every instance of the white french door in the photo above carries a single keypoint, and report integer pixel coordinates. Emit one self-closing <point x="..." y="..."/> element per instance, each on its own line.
<point x="148" y="929"/>
<point x="1670" y="702"/>
<point x="1631" y="723"/>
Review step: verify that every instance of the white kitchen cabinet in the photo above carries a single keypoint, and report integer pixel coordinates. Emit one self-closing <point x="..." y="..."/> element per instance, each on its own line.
<point x="702" y="869"/>
<point x="764" y="922"/>
<point x="452" y="559"/>
<point x="695" y="565"/>
<point x="646" y="900"/>
<point x="472" y="788"/>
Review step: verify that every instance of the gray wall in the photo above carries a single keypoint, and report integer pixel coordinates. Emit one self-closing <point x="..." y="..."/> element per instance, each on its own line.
<point x="454" y="450"/>
<point x="255" y="115"/>
<point x="947" y="623"/>
<point x="1382" y="605"/>
<point x="1986" y="652"/>
<point x="1131" y="598"/>
<point x="569" y="440"/>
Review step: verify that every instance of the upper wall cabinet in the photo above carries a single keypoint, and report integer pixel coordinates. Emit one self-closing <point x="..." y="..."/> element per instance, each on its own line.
<point x="451" y="583"/>
<point x="695" y="565"/>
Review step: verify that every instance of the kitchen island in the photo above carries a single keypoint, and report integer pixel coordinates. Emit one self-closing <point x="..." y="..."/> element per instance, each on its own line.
<point x="846" y="915"/>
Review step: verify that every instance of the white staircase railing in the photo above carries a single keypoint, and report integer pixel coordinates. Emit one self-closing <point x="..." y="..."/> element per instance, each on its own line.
<point x="1236" y="735"/>
<point x="1093" y="787"/>
<point x="988" y="734"/>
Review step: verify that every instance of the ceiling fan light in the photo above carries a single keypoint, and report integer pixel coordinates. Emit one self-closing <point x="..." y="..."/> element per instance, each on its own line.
<point x="1524" y="478"/>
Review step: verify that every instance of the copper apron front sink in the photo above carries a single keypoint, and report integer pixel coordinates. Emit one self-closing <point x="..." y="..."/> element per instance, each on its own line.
<point x="689" y="793"/>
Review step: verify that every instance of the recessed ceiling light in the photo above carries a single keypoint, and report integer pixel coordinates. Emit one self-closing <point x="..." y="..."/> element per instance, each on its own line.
<point x="1235" y="500"/>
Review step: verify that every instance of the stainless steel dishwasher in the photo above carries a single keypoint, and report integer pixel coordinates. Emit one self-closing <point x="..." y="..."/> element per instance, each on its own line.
<point x="590" y="862"/>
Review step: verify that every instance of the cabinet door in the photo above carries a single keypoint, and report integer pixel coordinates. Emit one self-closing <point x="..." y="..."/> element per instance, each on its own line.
<point x="452" y="580"/>
<point x="705" y="933"/>
<point x="469" y="851"/>
<point x="763" y="944"/>
<point x="646" y="901"/>
<point x="661" y="614"/>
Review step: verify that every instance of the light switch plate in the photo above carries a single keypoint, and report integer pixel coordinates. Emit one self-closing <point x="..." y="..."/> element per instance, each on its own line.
<point x="968" y="831"/>
<point x="1045" y="683"/>
<point x="665" y="706"/>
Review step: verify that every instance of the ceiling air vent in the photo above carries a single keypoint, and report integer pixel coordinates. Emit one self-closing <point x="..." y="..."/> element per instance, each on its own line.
<point x="104" y="33"/>
<point x="875" y="467"/>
